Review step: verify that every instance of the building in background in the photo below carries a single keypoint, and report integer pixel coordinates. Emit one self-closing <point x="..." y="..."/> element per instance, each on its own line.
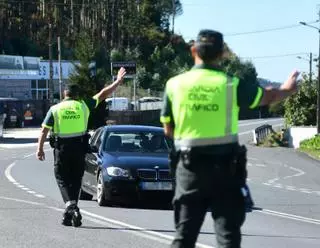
<point x="27" y="78"/>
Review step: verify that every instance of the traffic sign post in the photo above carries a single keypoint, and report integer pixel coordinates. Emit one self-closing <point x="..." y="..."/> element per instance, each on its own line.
<point x="131" y="70"/>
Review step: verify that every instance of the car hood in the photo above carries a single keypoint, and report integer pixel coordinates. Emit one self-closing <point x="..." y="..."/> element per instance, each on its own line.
<point x="137" y="160"/>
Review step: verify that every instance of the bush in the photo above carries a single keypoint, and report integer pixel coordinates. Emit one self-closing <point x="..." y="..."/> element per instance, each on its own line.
<point x="300" y="109"/>
<point x="275" y="139"/>
<point x="311" y="144"/>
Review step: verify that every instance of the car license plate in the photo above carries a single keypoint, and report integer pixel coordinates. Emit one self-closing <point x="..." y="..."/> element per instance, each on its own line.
<point x="156" y="185"/>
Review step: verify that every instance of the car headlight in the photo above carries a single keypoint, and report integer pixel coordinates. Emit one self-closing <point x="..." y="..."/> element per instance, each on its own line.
<point x="117" y="172"/>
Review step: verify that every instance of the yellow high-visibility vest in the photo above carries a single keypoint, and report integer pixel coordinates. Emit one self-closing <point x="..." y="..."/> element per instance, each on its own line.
<point x="70" y="118"/>
<point x="204" y="108"/>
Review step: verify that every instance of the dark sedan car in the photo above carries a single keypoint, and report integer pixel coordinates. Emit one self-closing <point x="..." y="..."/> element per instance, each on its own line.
<point x="127" y="163"/>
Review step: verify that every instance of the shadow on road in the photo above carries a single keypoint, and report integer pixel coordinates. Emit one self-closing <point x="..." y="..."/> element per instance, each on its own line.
<point x="10" y="140"/>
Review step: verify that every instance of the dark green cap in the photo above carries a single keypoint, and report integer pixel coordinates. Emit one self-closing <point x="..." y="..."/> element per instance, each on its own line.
<point x="72" y="89"/>
<point x="207" y="37"/>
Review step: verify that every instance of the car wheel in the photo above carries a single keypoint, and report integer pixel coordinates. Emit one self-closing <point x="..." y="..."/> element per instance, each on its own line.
<point x="85" y="196"/>
<point x="101" y="192"/>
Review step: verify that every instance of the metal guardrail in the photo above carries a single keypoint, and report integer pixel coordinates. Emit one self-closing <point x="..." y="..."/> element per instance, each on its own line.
<point x="261" y="133"/>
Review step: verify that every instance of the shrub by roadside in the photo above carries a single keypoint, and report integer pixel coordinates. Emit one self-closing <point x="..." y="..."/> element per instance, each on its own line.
<point x="275" y="139"/>
<point x="311" y="147"/>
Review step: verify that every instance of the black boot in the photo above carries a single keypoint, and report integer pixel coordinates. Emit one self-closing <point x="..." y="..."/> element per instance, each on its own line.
<point x="76" y="217"/>
<point x="67" y="217"/>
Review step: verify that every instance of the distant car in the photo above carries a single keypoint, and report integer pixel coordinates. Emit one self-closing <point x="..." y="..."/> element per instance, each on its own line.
<point x="118" y="103"/>
<point x="127" y="163"/>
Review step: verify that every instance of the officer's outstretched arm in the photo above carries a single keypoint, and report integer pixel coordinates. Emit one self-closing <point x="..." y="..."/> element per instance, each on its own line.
<point x="288" y="88"/>
<point x="106" y="91"/>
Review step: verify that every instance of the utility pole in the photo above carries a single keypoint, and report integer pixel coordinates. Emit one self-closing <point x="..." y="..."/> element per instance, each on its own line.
<point x="318" y="88"/>
<point x="51" y="86"/>
<point x="135" y="94"/>
<point x="318" y="81"/>
<point x="173" y="14"/>
<point x="60" y="68"/>
<point x="310" y="60"/>
<point x="310" y="68"/>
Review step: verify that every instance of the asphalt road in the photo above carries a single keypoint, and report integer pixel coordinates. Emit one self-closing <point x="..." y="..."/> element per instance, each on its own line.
<point x="285" y="185"/>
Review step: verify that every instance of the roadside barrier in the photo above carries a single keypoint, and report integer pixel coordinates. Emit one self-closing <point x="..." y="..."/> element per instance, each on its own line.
<point x="261" y="133"/>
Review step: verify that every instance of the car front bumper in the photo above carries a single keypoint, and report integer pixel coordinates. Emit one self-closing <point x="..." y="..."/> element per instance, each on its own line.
<point x="128" y="191"/>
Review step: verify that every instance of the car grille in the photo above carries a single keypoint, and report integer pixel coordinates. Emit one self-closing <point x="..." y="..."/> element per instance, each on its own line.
<point x="150" y="174"/>
<point x="164" y="175"/>
<point x="147" y="174"/>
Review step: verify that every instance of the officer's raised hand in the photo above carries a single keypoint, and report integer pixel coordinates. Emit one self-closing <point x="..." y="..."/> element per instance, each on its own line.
<point x="106" y="91"/>
<point x="291" y="83"/>
<point x="121" y="73"/>
<point x="288" y="88"/>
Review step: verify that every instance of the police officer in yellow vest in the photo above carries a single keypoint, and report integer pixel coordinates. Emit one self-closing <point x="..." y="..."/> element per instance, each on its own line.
<point x="201" y="113"/>
<point x="68" y="121"/>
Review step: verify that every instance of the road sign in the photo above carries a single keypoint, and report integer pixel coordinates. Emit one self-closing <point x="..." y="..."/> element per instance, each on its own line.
<point x="131" y="68"/>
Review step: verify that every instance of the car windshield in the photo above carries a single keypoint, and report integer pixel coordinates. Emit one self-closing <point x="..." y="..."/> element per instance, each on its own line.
<point x="130" y="141"/>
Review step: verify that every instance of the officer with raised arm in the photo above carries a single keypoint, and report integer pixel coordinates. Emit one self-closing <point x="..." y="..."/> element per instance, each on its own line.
<point x="68" y="122"/>
<point x="200" y="113"/>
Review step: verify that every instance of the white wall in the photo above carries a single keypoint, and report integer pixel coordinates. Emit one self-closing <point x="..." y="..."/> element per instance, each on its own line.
<point x="298" y="134"/>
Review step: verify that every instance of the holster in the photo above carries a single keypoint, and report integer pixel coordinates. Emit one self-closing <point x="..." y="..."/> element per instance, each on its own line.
<point x="53" y="141"/>
<point x="174" y="157"/>
<point x="56" y="142"/>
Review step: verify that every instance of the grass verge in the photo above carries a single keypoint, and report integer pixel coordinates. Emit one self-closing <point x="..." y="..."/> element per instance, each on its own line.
<point x="315" y="153"/>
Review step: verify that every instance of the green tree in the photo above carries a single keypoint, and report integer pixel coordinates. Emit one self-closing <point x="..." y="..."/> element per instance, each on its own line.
<point x="300" y="109"/>
<point x="86" y="75"/>
<point x="242" y="69"/>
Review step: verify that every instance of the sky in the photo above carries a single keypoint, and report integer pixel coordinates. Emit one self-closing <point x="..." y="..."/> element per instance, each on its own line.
<point x="274" y="53"/>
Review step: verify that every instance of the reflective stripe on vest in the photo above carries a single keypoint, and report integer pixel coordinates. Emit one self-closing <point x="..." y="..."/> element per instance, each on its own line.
<point x="70" y="119"/>
<point x="204" y="106"/>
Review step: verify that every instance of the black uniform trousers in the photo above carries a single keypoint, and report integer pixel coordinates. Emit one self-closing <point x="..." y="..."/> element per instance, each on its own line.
<point x="69" y="163"/>
<point x="208" y="182"/>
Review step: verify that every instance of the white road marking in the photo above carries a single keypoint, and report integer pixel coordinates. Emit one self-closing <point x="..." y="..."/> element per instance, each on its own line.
<point x="291" y="188"/>
<point x="271" y="181"/>
<point x="290" y="216"/>
<point x="120" y="223"/>
<point x="298" y="174"/>
<point x="308" y="191"/>
<point x="23" y="201"/>
<point x="12" y="180"/>
<point x="39" y="196"/>
<point x="260" y="165"/>
<point x="7" y="173"/>
<point x="278" y="186"/>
